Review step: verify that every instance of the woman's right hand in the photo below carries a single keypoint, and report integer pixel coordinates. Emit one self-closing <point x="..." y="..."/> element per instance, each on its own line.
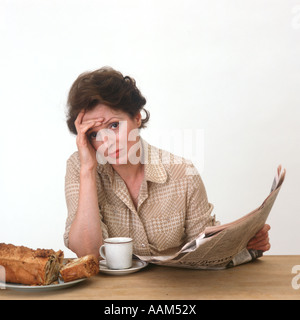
<point x="87" y="153"/>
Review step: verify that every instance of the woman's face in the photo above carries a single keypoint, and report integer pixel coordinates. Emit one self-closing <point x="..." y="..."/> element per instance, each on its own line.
<point x="117" y="138"/>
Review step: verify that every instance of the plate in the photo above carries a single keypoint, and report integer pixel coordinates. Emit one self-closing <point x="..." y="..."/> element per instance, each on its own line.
<point x="60" y="285"/>
<point x="136" y="266"/>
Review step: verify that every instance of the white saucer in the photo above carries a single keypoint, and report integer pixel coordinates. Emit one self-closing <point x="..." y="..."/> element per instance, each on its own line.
<point x="136" y="266"/>
<point x="49" y="287"/>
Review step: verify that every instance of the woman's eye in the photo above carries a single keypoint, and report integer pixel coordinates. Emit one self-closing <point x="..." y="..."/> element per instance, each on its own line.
<point x="114" y="125"/>
<point x="93" y="135"/>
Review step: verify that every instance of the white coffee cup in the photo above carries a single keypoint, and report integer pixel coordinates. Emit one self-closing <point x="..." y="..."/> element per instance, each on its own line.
<point x="117" y="252"/>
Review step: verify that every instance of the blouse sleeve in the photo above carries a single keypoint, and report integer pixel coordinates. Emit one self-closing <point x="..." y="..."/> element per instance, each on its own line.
<point x="198" y="215"/>
<point x="72" y="182"/>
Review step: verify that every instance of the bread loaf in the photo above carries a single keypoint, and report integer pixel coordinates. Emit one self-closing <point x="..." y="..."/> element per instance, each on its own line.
<point x="27" y="266"/>
<point x="83" y="267"/>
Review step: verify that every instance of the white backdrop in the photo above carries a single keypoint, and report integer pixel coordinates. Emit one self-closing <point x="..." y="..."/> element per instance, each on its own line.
<point x="229" y="68"/>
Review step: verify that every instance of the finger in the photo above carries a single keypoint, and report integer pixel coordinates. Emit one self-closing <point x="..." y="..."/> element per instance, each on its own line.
<point x="93" y="120"/>
<point x="260" y="236"/>
<point x="87" y="126"/>
<point x="262" y="247"/>
<point x="260" y="243"/>
<point x="257" y="239"/>
<point x="79" y="117"/>
<point x="78" y="120"/>
<point x="266" y="227"/>
<point x="99" y="118"/>
<point x="263" y="232"/>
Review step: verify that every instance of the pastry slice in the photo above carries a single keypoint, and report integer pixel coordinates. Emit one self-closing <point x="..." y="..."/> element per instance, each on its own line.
<point x="83" y="267"/>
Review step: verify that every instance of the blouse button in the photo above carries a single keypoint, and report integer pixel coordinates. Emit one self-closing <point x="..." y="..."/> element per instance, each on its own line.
<point x="143" y="245"/>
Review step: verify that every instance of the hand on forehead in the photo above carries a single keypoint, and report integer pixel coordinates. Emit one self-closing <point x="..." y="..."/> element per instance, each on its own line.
<point x="101" y="112"/>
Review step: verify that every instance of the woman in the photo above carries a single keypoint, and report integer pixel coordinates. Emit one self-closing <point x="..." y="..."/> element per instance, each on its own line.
<point x="119" y="185"/>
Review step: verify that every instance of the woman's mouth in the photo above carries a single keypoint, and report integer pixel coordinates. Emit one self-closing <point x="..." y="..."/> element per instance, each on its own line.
<point x="115" y="153"/>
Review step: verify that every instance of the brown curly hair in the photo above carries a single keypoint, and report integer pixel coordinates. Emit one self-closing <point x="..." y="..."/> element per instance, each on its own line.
<point x="106" y="86"/>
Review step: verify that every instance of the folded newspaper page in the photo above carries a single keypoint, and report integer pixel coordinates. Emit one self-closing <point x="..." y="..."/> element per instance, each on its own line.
<point x="224" y="246"/>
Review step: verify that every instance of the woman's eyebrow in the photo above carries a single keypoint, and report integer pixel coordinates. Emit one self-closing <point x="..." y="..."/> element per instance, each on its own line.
<point x="91" y="129"/>
<point x="110" y="119"/>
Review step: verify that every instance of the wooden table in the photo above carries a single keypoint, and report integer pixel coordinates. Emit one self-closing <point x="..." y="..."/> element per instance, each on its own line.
<point x="269" y="277"/>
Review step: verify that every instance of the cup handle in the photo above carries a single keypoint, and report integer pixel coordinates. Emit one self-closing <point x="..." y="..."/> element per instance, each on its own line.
<point x="101" y="251"/>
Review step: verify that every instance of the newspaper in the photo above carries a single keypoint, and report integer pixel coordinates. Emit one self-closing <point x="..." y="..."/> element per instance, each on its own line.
<point x="223" y="246"/>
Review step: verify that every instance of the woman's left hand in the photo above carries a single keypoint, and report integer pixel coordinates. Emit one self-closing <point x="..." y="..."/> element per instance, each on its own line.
<point x="261" y="240"/>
